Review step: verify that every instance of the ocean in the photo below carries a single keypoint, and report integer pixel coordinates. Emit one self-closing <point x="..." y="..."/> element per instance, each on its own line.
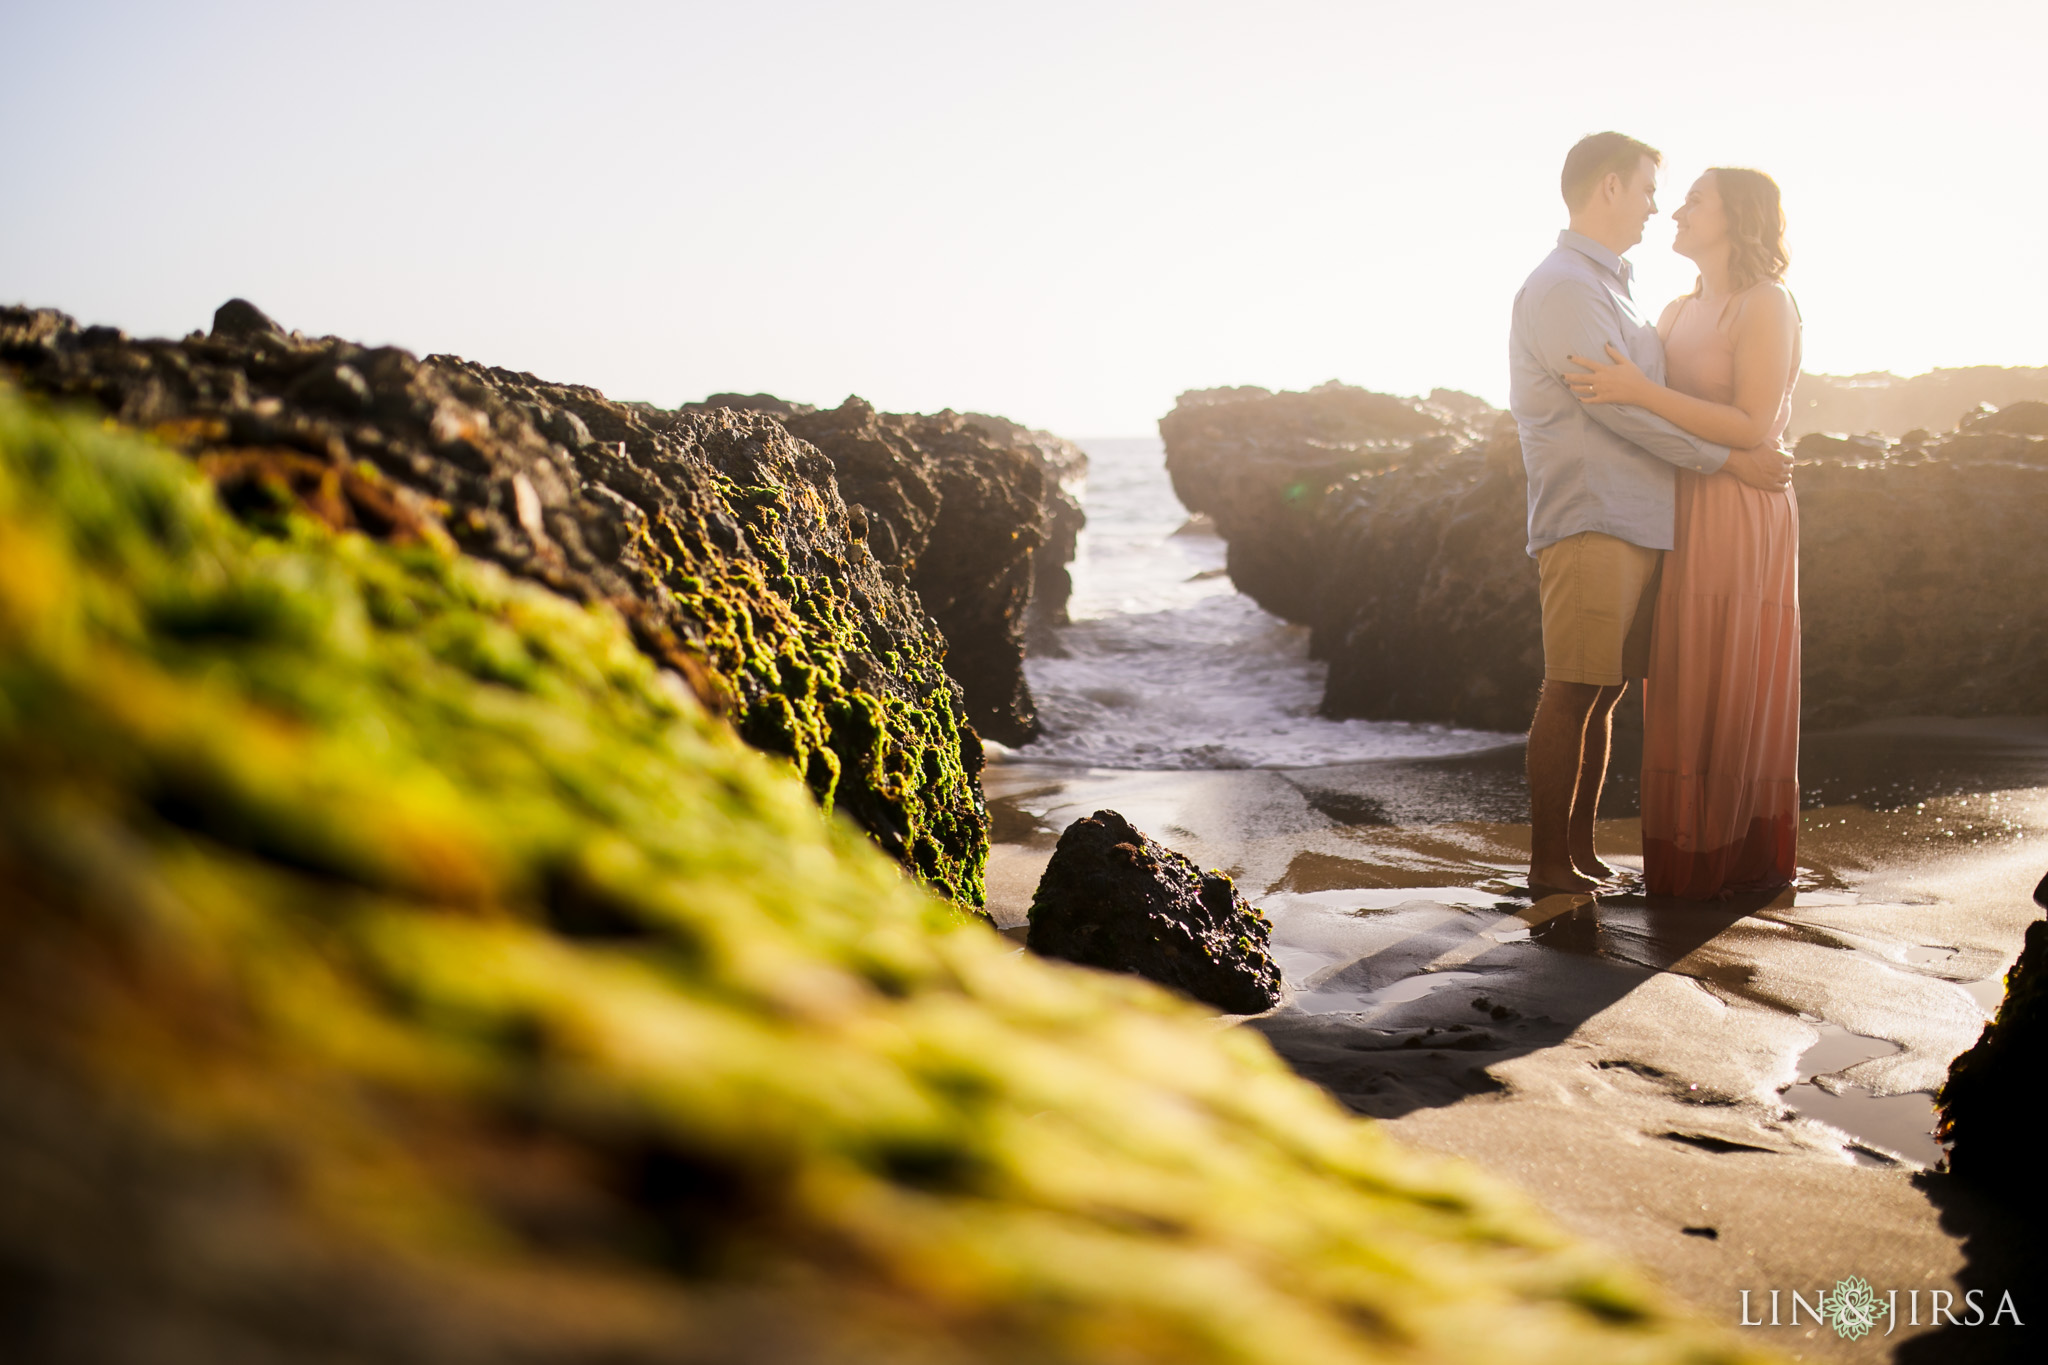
<point x="1169" y="667"/>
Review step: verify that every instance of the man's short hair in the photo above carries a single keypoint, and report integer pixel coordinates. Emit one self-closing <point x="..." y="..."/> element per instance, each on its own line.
<point x="1587" y="164"/>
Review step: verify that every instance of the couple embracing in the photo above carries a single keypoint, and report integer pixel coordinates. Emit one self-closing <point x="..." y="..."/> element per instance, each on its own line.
<point x="1664" y="529"/>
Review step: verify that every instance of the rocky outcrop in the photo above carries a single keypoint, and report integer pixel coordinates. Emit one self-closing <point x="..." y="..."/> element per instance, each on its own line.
<point x="1399" y="541"/>
<point x="1259" y="464"/>
<point x="724" y="541"/>
<point x="982" y="516"/>
<point x="401" y="968"/>
<point x="966" y="517"/>
<point x="1113" y="897"/>
<point x="1920" y="591"/>
<point x="1393" y="527"/>
<point x="1988" y="1117"/>
<point x="1426" y="607"/>
<point x="1888" y="403"/>
<point x="1065" y="467"/>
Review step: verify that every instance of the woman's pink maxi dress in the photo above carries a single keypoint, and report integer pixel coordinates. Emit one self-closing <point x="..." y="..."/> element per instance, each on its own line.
<point x="1721" y="704"/>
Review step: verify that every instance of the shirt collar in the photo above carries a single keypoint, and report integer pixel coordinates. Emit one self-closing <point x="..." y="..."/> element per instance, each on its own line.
<point x="1599" y="255"/>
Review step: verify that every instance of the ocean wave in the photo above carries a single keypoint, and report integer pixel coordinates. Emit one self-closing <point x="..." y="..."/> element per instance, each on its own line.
<point x="1168" y="667"/>
<point x="1215" y="684"/>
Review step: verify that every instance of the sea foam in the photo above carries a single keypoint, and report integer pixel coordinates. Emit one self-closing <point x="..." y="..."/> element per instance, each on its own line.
<point x="1168" y="666"/>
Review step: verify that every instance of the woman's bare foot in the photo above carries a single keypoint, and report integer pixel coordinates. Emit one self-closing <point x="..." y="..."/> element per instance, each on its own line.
<point x="1591" y="866"/>
<point x="1550" y="881"/>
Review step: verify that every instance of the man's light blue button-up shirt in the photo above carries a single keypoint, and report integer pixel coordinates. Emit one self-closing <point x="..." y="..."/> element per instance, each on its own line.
<point x="1592" y="466"/>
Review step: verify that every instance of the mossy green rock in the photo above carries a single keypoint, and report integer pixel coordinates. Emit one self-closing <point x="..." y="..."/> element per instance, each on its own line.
<point x="401" y="968"/>
<point x="720" y="538"/>
<point x="981" y="515"/>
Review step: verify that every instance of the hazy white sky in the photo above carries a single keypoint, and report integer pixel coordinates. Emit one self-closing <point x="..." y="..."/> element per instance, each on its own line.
<point x="1067" y="213"/>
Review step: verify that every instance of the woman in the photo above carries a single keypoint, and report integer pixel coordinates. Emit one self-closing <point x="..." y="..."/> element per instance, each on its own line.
<point x="1721" y="706"/>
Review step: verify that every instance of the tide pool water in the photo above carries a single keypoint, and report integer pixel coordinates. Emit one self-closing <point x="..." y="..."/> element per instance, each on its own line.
<point x="1167" y="666"/>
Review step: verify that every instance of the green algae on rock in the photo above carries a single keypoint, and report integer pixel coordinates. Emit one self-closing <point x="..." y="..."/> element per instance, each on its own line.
<point x="981" y="515"/>
<point x="723" y="540"/>
<point x="401" y="967"/>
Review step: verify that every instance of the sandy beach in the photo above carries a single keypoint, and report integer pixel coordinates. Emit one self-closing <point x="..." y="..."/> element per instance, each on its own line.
<point x="1736" y="1096"/>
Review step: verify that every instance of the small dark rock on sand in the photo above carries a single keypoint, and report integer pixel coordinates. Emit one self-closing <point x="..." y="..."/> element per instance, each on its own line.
<point x="1114" y="898"/>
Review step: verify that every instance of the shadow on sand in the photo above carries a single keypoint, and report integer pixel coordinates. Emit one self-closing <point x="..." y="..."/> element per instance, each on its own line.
<point x="1999" y="1256"/>
<point x="1574" y="957"/>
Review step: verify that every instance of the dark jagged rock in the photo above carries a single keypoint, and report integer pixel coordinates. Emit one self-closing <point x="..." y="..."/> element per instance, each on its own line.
<point x="1260" y="463"/>
<point x="1393" y="527"/>
<point x="241" y="320"/>
<point x="1426" y="606"/>
<point x="723" y="540"/>
<point x="757" y="402"/>
<point x="1919" y="591"/>
<point x="1065" y="466"/>
<point x="973" y="511"/>
<point x="1115" y="898"/>
<point x="1935" y="401"/>
<point x="2027" y="418"/>
<point x="961" y="517"/>
<point x="1404" y="554"/>
<point x="1987" y="1104"/>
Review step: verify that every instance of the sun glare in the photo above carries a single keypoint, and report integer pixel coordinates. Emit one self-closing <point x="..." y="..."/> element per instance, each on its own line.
<point x="1068" y="213"/>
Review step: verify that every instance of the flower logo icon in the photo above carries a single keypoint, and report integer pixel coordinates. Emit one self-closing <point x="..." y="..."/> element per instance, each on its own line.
<point x="1852" y="1308"/>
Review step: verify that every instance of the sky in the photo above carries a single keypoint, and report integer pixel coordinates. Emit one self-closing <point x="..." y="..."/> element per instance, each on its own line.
<point x="1065" y="213"/>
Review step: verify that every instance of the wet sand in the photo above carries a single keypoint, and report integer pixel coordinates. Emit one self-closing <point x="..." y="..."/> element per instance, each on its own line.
<point x="1736" y="1095"/>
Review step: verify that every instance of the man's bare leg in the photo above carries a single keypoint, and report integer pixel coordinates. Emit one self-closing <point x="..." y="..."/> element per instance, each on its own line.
<point x="1592" y="776"/>
<point x="1557" y="745"/>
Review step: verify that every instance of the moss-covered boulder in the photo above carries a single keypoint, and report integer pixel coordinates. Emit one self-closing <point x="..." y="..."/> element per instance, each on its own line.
<point x="982" y="514"/>
<point x="401" y="968"/>
<point x="722" y="540"/>
<point x="977" y="513"/>
<point x="1987" y="1104"/>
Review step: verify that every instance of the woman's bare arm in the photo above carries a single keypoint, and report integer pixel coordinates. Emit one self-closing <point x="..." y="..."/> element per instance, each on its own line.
<point x="1766" y="346"/>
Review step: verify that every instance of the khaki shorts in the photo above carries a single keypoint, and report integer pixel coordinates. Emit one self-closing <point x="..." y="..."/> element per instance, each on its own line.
<point x="1599" y="595"/>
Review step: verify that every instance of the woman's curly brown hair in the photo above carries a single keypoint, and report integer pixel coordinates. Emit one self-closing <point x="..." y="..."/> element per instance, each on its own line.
<point x="1756" y="226"/>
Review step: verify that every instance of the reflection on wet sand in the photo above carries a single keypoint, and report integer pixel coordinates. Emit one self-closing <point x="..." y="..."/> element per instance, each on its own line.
<point x="1764" y="1067"/>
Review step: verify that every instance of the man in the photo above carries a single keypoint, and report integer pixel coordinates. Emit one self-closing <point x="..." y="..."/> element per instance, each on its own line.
<point x="1601" y="495"/>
